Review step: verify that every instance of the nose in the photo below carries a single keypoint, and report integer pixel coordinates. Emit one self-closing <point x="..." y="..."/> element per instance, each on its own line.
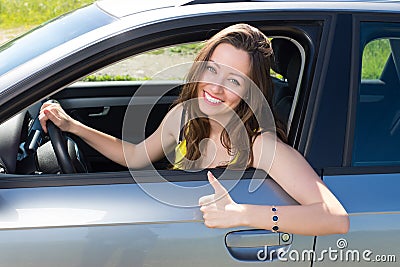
<point x="216" y="87"/>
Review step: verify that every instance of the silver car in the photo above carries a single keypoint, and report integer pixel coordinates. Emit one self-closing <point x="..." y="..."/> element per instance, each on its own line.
<point x="63" y="204"/>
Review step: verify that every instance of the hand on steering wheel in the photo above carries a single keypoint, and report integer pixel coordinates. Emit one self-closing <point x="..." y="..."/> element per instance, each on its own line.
<point x="52" y="111"/>
<point x="59" y="143"/>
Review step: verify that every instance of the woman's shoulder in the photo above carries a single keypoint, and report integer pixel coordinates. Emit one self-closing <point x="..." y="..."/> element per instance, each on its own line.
<point x="266" y="147"/>
<point x="267" y="140"/>
<point x="265" y="136"/>
<point x="172" y="120"/>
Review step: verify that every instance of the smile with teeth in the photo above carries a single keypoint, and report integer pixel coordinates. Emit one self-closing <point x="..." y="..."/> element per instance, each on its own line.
<point x="212" y="99"/>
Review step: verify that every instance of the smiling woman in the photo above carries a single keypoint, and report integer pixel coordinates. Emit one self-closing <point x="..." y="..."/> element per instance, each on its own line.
<point x="136" y="218"/>
<point x="224" y="72"/>
<point x="228" y="88"/>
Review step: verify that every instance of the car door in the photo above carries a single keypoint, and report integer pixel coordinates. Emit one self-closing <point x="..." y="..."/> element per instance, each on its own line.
<point x="367" y="179"/>
<point x="111" y="219"/>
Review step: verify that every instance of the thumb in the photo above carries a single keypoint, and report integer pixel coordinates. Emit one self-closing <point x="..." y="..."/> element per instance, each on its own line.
<point x="219" y="189"/>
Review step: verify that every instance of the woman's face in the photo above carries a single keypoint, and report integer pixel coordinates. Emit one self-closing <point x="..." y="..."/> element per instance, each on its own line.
<point x="224" y="82"/>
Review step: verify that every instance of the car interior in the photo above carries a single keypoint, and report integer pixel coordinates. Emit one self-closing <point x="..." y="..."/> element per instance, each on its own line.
<point x="26" y="149"/>
<point x="377" y="135"/>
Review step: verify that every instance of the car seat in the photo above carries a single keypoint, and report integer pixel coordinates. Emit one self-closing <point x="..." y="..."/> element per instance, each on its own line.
<point x="288" y="64"/>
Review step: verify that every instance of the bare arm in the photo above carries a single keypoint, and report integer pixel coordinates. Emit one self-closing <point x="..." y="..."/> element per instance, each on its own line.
<point x="138" y="155"/>
<point x="320" y="213"/>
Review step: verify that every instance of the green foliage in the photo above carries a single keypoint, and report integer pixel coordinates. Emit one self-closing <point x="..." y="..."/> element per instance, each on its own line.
<point x="374" y="58"/>
<point x="157" y="51"/>
<point x="184" y="49"/>
<point x="106" y="77"/>
<point x="30" y="13"/>
<point x="187" y="49"/>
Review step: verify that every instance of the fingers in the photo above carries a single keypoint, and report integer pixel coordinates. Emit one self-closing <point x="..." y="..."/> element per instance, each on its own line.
<point x="42" y="120"/>
<point x="208" y="208"/>
<point x="48" y="111"/>
<point x="45" y="105"/>
<point x="217" y="208"/>
<point x="206" y="200"/>
<point x="211" y="220"/>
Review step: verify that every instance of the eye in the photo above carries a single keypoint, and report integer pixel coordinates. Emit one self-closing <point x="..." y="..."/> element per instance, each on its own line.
<point x="235" y="82"/>
<point x="211" y="69"/>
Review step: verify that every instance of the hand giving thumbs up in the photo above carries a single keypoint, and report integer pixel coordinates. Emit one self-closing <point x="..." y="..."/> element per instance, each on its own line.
<point x="219" y="210"/>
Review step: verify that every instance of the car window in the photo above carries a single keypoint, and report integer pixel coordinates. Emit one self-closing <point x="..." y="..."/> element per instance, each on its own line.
<point x="160" y="64"/>
<point x="156" y="65"/>
<point x="375" y="56"/>
<point x="14" y="53"/>
<point x="102" y="99"/>
<point x="172" y="63"/>
<point x="377" y="128"/>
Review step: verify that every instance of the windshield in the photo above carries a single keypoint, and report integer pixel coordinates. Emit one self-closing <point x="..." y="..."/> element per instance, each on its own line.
<point x="50" y="35"/>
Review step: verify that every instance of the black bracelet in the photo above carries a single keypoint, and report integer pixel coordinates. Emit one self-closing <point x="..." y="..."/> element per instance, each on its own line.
<point x="275" y="227"/>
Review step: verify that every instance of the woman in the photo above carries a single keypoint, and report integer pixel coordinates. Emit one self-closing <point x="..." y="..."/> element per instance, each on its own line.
<point x="219" y="109"/>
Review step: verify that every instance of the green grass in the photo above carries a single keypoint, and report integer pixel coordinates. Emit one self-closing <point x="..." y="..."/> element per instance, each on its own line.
<point x="30" y="13"/>
<point x="184" y="49"/>
<point x="27" y="14"/>
<point x="107" y="77"/>
<point x="374" y="58"/>
<point x="187" y="49"/>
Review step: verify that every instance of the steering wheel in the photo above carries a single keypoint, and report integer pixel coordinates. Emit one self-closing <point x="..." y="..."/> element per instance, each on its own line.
<point x="59" y="143"/>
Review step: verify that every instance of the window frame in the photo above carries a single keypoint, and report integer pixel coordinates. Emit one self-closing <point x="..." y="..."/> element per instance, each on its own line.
<point x="358" y="45"/>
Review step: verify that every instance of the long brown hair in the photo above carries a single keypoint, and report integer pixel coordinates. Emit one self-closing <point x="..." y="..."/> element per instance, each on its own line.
<point x="258" y="47"/>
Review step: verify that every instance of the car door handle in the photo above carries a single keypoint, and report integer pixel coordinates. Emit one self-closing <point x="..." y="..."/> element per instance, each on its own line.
<point x="257" y="245"/>
<point x="103" y="113"/>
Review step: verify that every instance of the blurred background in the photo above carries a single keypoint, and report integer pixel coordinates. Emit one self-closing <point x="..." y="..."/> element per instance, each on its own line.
<point x="19" y="16"/>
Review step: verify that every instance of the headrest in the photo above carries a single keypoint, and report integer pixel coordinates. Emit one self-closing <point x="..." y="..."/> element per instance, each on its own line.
<point x="287" y="61"/>
<point x="284" y="51"/>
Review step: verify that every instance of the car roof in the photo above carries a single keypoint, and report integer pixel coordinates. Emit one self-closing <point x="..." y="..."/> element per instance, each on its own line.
<point x="122" y="8"/>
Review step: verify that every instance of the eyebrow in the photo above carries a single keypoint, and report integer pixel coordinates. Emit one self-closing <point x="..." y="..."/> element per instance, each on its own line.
<point x="232" y="73"/>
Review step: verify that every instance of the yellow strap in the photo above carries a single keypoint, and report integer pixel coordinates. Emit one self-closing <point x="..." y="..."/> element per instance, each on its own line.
<point x="180" y="152"/>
